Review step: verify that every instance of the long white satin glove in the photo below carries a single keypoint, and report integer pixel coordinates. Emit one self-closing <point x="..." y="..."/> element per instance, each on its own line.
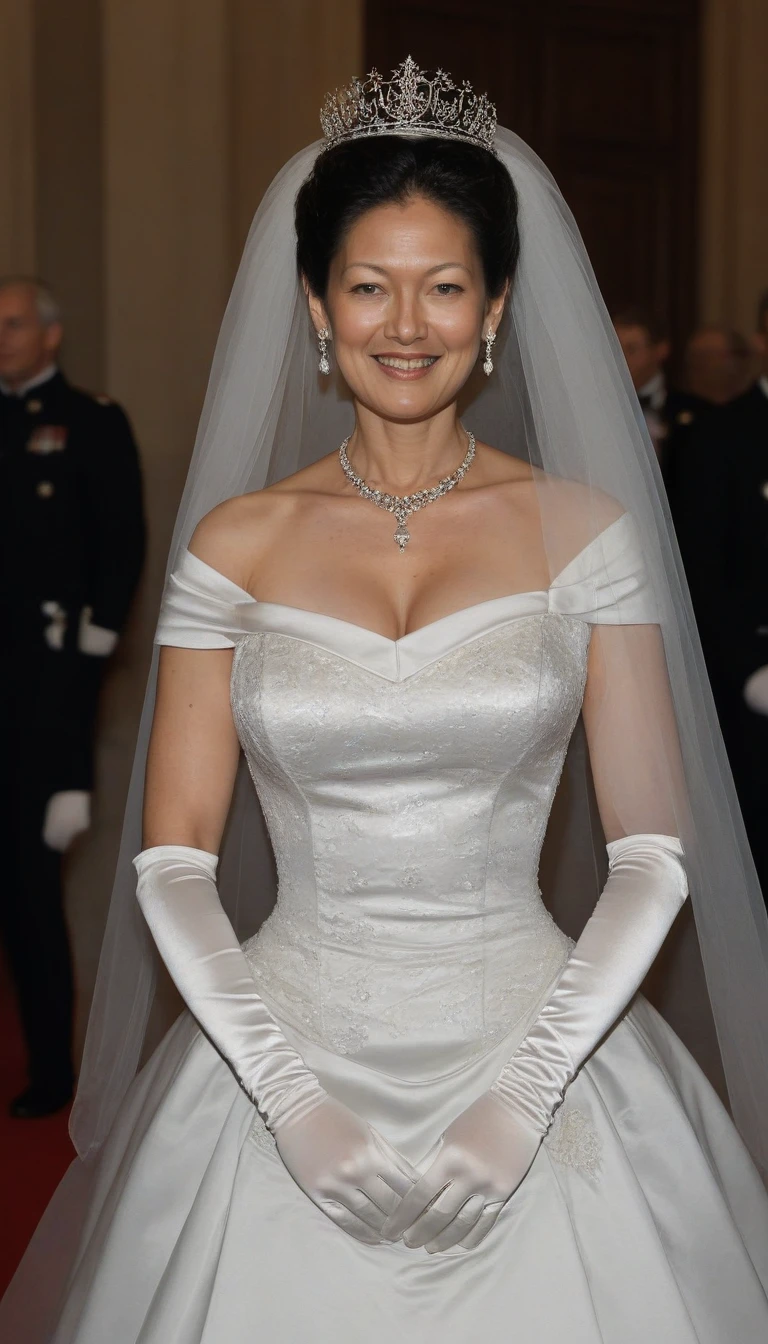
<point x="340" y="1162"/>
<point x="484" y="1154"/>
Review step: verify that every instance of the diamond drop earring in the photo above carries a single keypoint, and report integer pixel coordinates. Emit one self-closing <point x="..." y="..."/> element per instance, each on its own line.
<point x="488" y="362"/>
<point x="323" y="337"/>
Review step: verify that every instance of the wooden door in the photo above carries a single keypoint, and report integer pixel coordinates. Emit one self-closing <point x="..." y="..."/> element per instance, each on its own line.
<point x="606" y="91"/>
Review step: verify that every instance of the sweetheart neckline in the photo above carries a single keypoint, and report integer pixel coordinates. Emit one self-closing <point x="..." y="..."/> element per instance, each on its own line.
<point x="410" y="634"/>
<point x="558" y="581"/>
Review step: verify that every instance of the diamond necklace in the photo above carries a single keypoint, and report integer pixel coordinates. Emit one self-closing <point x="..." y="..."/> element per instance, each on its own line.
<point x="404" y="505"/>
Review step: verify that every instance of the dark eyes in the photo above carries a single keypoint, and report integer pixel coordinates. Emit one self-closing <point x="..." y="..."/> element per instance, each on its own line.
<point x="443" y="288"/>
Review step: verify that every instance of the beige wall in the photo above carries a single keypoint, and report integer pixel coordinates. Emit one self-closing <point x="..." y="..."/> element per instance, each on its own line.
<point x="734" y="161"/>
<point x="285" y="58"/>
<point x="69" y="202"/>
<point x="17" y="136"/>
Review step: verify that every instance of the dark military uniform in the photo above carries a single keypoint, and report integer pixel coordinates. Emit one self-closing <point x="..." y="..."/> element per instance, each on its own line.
<point x="677" y="414"/>
<point x="719" y="500"/>
<point x="71" y="547"/>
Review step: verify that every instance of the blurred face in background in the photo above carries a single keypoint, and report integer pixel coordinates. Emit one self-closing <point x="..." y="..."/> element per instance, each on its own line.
<point x="760" y="341"/>
<point x="27" y="345"/>
<point x="718" y="366"/>
<point x="644" y="356"/>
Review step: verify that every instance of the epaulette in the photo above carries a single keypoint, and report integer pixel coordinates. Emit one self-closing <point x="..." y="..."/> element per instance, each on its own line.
<point x="100" y="398"/>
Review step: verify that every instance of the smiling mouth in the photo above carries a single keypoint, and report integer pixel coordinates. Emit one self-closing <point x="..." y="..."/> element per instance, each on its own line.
<point x="406" y="364"/>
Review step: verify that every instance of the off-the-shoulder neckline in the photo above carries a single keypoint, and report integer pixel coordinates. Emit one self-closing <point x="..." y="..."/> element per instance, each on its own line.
<point x="241" y="596"/>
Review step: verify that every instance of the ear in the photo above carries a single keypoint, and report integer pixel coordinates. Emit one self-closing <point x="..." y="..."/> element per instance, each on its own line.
<point x="760" y="343"/>
<point x="316" y="307"/>
<point x="663" y="351"/>
<point x="53" y="337"/>
<point x="494" y="309"/>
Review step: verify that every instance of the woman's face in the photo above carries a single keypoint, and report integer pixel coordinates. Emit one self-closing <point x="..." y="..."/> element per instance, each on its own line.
<point x="407" y="309"/>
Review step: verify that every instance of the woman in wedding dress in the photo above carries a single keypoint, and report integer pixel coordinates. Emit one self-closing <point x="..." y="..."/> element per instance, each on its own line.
<point x="410" y="1106"/>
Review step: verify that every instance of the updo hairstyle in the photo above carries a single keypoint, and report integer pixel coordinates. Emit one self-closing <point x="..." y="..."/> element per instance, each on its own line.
<point x="350" y="179"/>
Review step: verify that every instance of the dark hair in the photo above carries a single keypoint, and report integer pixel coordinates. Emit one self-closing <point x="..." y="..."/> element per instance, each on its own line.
<point x="650" y="322"/>
<point x="350" y="179"/>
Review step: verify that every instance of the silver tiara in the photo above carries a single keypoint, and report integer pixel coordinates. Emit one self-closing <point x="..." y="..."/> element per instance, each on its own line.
<point x="410" y="103"/>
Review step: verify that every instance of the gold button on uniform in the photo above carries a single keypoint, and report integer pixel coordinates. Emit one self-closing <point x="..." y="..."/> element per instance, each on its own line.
<point x="34" y="405"/>
<point x="44" y="489"/>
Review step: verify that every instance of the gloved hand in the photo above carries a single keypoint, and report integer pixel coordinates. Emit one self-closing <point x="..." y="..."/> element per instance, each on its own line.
<point x="95" y="640"/>
<point x="67" y="815"/>
<point x="346" y="1168"/>
<point x="481" y="1158"/>
<point x="337" y="1159"/>
<point x="485" y="1153"/>
<point x="756" y="691"/>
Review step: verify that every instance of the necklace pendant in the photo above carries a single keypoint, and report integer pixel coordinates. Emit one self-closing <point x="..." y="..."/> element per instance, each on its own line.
<point x="402" y="536"/>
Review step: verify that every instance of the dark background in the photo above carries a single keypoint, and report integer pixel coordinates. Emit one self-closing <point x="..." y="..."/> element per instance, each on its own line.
<point x="606" y="91"/>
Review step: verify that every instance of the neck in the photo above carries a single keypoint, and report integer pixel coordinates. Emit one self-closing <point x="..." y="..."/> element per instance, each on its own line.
<point x="17" y="385"/>
<point x="403" y="458"/>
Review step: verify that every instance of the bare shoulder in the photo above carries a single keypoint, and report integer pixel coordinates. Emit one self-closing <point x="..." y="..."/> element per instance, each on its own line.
<point x="568" y="502"/>
<point x="236" y="534"/>
<point x="574" y="501"/>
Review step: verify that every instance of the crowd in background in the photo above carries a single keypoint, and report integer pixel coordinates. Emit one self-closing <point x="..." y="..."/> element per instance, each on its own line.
<point x="710" y="432"/>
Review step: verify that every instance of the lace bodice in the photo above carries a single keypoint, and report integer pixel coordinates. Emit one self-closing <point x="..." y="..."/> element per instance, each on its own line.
<point x="407" y="786"/>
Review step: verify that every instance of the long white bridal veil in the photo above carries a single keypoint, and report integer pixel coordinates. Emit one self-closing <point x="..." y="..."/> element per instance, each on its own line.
<point x="560" y="397"/>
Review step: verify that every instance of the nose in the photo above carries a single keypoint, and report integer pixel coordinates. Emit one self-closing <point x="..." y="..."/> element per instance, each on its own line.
<point x="405" y="322"/>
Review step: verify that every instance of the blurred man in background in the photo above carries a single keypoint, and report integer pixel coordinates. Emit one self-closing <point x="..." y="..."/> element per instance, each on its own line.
<point x="718" y="364"/>
<point x="668" y="412"/>
<point x="719" y="503"/>
<point x="71" y="549"/>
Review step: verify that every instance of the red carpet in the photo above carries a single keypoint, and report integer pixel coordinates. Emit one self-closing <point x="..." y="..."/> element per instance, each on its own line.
<point x="34" y="1154"/>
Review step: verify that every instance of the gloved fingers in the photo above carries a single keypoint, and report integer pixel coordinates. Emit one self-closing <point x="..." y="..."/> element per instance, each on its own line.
<point x="447" y="1222"/>
<point x="359" y="1202"/>
<point x="396" y="1171"/>
<point x="417" y="1201"/>
<point x="349" y="1222"/>
<point x="382" y="1195"/>
<point x="483" y="1225"/>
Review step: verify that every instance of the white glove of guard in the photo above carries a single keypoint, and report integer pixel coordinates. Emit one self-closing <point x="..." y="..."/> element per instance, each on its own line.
<point x="67" y="815"/>
<point x="486" y="1151"/>
<point x="340" y="1162"/>
<point x="756" y="691"/>
<point x="95" y="640"/>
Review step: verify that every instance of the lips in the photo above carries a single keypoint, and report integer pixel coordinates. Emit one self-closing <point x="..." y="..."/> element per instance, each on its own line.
<point x="405" y="367"/>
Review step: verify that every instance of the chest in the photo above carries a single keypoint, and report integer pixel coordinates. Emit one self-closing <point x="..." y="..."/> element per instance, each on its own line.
<point x="41" y="468"/>
<point x="505" y="696"/>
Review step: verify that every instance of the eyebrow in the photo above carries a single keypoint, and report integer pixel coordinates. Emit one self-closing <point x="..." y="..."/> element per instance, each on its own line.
<point x="382" y="270"/>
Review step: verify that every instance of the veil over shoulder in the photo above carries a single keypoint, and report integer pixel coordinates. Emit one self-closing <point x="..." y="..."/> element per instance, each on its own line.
<point x="561" y="399"/>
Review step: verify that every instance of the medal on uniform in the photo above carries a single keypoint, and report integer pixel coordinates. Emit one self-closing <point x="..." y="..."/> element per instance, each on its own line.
<point x="47" y="439"/>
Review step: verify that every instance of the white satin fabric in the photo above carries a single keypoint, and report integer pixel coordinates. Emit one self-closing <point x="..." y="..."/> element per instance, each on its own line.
<point x="407" y="786"/>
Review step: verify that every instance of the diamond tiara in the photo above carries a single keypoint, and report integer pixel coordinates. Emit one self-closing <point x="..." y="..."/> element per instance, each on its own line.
<point x="410" y="103"/>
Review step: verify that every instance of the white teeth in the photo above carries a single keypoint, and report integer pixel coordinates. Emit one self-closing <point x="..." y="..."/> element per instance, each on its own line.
<point x="407" y="364"/>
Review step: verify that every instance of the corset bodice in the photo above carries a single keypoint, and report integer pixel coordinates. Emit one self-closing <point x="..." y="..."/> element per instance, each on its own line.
<point x="407" y="785"/>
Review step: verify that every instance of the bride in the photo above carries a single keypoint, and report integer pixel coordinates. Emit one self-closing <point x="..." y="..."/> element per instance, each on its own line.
<point x="410" y="1107"/>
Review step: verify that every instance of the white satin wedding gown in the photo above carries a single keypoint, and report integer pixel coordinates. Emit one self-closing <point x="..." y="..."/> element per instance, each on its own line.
<point x="407" y="786"/>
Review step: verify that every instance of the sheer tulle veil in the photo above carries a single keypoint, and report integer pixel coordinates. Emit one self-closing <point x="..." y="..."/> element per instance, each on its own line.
<point x="560" y="396"/>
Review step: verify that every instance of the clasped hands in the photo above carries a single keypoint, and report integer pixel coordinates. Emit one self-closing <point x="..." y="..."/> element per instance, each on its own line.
<point x="351" y="1172"/>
